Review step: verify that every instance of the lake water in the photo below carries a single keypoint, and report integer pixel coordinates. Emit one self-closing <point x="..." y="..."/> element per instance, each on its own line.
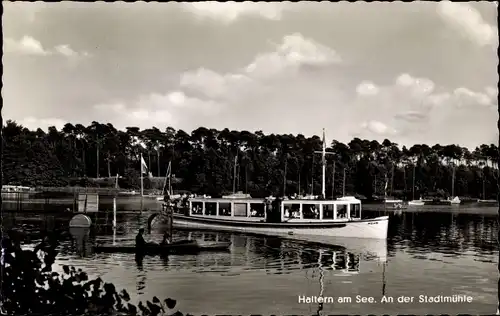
<point x="430" y="251"/>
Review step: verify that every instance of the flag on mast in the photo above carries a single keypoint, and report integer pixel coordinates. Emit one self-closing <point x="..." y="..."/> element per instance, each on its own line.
<point x="144" y="167"/>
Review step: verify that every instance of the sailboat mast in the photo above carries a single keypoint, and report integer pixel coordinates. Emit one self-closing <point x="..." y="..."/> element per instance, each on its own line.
<point x="333" y="180"/>
<point x="392" y="179"/>
<point x="167" y="176"/>
<point x="484" y="187"/>
<point x="284" y="176"/>
<point x="343" y="184"/>
<point x="453" y="182"/>
<point x="299" y="182"/>
<point x="234" y="173"/>
<point x="413" y="184"/>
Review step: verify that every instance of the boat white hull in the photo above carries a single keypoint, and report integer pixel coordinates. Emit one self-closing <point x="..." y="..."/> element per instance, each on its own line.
<point x="393" y="201"/>
<point x="487" y="201"/>
<point x="416" y="203"/>
<point x="375" y="228"/>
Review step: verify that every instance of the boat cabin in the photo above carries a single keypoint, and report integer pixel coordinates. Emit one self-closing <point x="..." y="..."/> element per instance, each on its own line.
<point x="223" y="208"/>
<point x="343" y="209"/>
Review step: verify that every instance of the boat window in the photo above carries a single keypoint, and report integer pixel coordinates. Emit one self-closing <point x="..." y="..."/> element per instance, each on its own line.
<point x="310" y="211"/>
<point x="355" y="210"/>
<point x="353" y="264"/>
<point x="292" y="211"/>
<point x="224" y="209"/>
<point x="240" y="209"/>
<point x="341" y="211"/>
<point x="257" y="210"/>
<point x="197" y="208"/>
<point x="328" y="211"/>
<point x="210" y="208"/>
<point x="340" y="261"/>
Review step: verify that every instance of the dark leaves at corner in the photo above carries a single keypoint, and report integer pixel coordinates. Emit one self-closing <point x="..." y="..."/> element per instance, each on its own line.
<point x="170" y="303"/>
<point x="125" y="296"/>
<point x="66" y="269"/>
<point x="132" y="310"/>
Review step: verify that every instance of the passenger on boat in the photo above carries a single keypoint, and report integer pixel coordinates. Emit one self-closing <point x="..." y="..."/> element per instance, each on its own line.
<point x="166" y="239"/>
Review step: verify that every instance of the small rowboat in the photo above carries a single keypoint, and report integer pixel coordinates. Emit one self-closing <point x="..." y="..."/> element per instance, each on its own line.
<point x="182" y="246"/>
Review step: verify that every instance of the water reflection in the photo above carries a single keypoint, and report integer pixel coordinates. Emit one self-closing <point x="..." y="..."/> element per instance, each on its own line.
<point x="271" y="255"/>
<point x="81" y="240"/>
<point x="435" y="253"/>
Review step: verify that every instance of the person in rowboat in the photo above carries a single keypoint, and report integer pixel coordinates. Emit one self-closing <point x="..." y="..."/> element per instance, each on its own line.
<point x="166" y="239"/>
<point x="140" y="243"/>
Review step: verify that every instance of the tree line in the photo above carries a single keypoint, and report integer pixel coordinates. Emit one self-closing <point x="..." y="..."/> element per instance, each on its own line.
<point x="209" y="161"/>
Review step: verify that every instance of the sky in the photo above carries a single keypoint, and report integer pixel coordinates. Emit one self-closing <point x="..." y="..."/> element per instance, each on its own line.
<point x="419" y="72"/>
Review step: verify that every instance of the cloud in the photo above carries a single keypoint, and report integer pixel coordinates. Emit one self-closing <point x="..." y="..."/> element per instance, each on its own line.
<point x="28" y="45"/>
<point x="468" y="21"/>
<point x="294" y="51"/>
<point x="378" y="128"/>
<point x="367" y="88"/>
<point x="202" y="94"/>
<point x="411" y="108"/>
<point x="228" y="12"/>
<point x="156" y="109"/>
<point x="43" y="123"/>
<point x="211" y="83"/>
<point x="288" y="57"/>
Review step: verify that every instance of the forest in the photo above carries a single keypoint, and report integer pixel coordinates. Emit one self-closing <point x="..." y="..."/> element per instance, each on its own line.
<point x="213" y="162"/>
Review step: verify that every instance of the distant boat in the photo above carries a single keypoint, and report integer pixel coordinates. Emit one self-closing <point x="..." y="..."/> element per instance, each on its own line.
<point x="127" y="193"/>
<point x="414" y="202"/>
<point x="396" y="203"/>
<point x="16" y="189"/>
<point x="455" y="200"/>
<point x="418" y="202"/>
<point x="484" y="200"/>
<point x="487" y="201"/>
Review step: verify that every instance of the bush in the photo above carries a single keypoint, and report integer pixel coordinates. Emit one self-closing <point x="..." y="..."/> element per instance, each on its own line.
<point x="30" y="287"/>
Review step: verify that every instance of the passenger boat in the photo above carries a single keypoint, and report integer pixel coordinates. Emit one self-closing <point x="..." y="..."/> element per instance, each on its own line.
<point x="183" y="246"/>
<point x="321" y="217"/>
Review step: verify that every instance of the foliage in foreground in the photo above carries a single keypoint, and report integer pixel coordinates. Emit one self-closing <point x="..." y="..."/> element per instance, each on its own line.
<point x="30" y="287"/>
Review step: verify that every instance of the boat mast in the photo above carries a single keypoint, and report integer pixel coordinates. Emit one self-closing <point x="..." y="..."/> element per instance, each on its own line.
<point x="392" y="179"/>
<point x="234" y="173"/>
<point x="453" y="183"/>
<point x="284" y="176"/>
<point x="333" y="180"/>
<point x="323" y="162"/>
<point x="484" y="190"/>
<point x="413" y="184"/>
<point x="343" y="184"/>
<point x="167" y="177"/>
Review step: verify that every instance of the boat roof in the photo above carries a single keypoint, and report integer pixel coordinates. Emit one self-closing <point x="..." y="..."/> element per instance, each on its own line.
<point x="227" y="200"/>
<point x="342" y="200"/>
